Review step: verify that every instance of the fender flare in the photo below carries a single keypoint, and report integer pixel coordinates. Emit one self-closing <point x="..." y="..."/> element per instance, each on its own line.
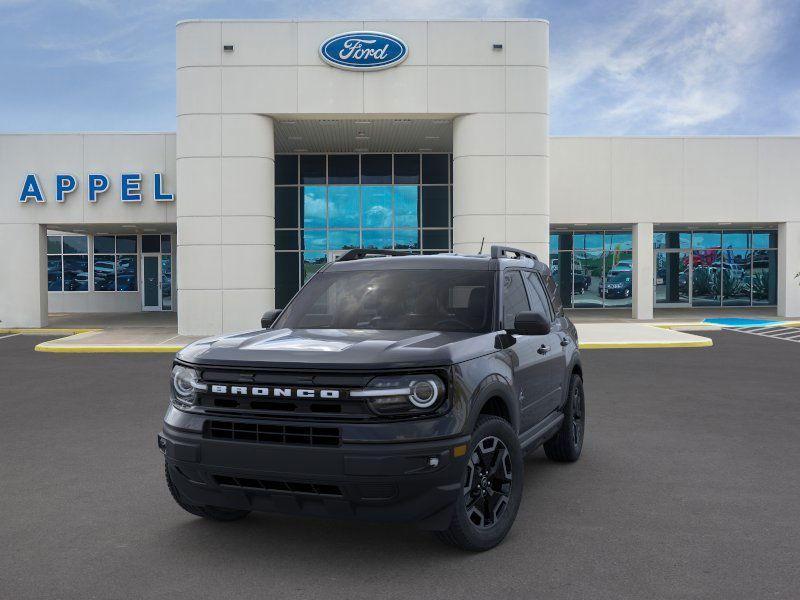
<point x="493" y="386"/>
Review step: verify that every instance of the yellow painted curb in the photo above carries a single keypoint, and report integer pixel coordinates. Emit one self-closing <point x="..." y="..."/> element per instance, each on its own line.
<point x="704" y="343"/>
<point x="47" y="347"/>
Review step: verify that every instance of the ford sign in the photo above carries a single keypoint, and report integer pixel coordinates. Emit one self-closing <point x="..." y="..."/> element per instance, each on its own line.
<point x="363" y="51"/>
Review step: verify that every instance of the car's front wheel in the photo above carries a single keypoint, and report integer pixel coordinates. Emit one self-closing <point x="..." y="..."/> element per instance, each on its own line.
<point x="491" y="488"/>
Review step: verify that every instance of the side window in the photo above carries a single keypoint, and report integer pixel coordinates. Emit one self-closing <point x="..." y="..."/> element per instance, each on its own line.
<point x="515" y="299"/>
<point x="537" y="294"/>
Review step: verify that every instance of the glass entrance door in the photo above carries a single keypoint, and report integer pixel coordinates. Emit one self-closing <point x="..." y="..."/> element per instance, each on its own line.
<point x="151" y="279"/>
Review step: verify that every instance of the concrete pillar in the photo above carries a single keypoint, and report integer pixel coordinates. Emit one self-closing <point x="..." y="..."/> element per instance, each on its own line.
<point x="23" y="273"/>
<point x="643" y="271"/>
<point x="788" y="267"/>
<point x="501" y="185"/>
<point x="226" y="222"/>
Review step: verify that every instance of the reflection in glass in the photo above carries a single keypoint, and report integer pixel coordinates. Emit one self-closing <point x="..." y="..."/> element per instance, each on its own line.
<point x="706" y="239"/>
<point x="562" y="273"/>
<point x="166" y="244"/>
<point x="54" y="280"/>
<point x="166" y="282"/>
<point x="672" y="277"/>
<point x="313" y="239"/>
<point x="735" y="277"/>
<point x="126" y="244"/>
<point x="54" y="244"/>
<point x="377" y="238"/>
<point x="376" y="206"/>
<point x="706" y="278"/>
<point x="76" y="273"/>
<point x="75" y="244"/>
<point x="588" y="241"/>
<point x="342" y="239"/>
<point x="765" y="239"/>
<point x="312" y="262"/>
<point x="587" y="277"/>
<point x="343" y="206"/>
<point x="736" y="239"/>
<point x="313" y="207"/>
<point x="617" y="286"/>
<point x="406" y="206"/>
<point x="618" y="241"/>
<point x="104" y="272"/>
<point x="126" y="273"/>
<point x="672" y="239"/>
<point x="407" y="239"/>
<point x="765" y="277"/>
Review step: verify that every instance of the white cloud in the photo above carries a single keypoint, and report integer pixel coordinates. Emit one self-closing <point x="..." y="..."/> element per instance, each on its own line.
<point x="669" y="69"/>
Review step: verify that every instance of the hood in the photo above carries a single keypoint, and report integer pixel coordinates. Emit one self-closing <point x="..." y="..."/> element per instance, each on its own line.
<point x="339" y="349"/>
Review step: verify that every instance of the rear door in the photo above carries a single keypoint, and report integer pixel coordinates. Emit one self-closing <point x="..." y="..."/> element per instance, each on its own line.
<point x="531" y="379"/>
<point x="554" y="356"/>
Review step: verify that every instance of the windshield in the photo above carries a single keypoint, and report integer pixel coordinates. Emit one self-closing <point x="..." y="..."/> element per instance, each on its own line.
<point x="434" y="300"/>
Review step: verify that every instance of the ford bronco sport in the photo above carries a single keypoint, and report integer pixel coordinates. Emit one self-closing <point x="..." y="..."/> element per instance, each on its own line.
<point x="392" y="387"/>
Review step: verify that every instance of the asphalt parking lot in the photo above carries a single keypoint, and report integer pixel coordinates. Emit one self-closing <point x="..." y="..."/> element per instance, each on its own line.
<point x="688" y="488"/>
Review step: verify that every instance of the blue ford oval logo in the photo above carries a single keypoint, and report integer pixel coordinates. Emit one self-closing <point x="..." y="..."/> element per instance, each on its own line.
<point x="363" y="50"/>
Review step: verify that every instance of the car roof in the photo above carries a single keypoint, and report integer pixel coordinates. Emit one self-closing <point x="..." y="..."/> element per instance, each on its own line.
<point x="475" y="262"/>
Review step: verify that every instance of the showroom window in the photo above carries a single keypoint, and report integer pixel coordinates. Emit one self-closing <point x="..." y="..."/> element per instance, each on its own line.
<point x="326" y="204"/>
<point x="593" y="269"/>
<point x="716" y="267"/>
<point x="67" y="263"/>
<point x="115" y="263"/>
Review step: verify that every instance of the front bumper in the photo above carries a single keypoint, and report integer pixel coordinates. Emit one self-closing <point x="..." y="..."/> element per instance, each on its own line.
<point x="396" y="482"/>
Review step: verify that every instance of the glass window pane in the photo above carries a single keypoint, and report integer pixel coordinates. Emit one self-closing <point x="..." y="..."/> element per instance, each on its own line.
<point x="166" y="282"/>
<point x="54" y="274"/>
<point x="672" y="239"/>
<point x="618" y="241"/>
<point x="537" y="295"/>
<point x="436" y="239"/>
<point x="287" y="277"/>
<point x="313" y="239"/>
<point x="54" y="244"/>
<point x="285" y="169"/>
<point x="76" y="273"/>
<point x="553" y="242"/>
<point x="587" y="275"/>
<point x="376" y="168"/>
<point x="126" y="274"/>
<point x="765" y="277"/>
<point x="434" y="206"/>
<point x="104" y="244"/>
<point x="313" y="206"/>
<point x="659" y="239"/>
<point x="343" y="206"/>
<point x="617" y="284"/>
<point x="75" y="244"/>
<point x="312" y="262"/>
<point x="343" y="168"/>
<point x="588" y="241"/>
<point x="407" y="239"/>
<point x="377" y="238"/>
<point x="126" y="244"/>
<point x="765" y="239"/>
<point x="103" y="272"/>
<point x="286" y="239"/>
<point x="736" y="277"/>
<point x="406" y="168"/>
<point x="376" y="202"/>
<point x="406" y="206"/>
<point x="312" y="168"/>
<point x="166" y="244"/>
<point x="736" y="239"/>
<point x="339" y="239"/>
<point x="706" y="277"/>
<point x="150" y="243"/>
<point x="515" y="298"/>
<point x="286" y="207"/>
<point x="435" y="168"/>
<point x="672" y="277"/>
<point x="706" y="239"/>
<point x="562" y="273"/>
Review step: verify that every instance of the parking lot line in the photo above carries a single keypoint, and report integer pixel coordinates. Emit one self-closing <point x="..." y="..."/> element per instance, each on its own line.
<point x="2" y="337"/>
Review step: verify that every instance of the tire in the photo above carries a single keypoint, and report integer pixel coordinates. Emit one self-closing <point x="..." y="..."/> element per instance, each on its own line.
<point x="207" y="512"/>
<point x="566" y="444"/>
<point x="494" y="444"/>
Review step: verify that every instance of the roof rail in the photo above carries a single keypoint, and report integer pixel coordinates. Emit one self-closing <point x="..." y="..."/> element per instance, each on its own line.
<point x="358" y="253"/>
<point x="505" y="251"/>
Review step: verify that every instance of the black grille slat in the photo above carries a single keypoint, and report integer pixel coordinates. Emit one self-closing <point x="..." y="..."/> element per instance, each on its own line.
<point x="268" y="433"/>
<point x="293" y="487"/>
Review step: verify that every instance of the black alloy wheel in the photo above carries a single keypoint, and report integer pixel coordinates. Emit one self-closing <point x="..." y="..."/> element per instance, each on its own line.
<point x="487" y="486"/>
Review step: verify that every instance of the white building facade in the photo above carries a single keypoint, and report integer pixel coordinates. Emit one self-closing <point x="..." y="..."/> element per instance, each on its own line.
<point x="283" y="159"/>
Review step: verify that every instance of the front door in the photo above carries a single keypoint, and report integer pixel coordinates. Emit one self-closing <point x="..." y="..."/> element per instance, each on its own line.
<point x="151" y="278"/>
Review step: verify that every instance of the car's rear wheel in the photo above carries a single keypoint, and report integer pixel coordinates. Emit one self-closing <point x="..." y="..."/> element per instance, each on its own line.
<point x="566" y="444"/>
<point x="215" y="513"/>
<point x="491" y="488"/>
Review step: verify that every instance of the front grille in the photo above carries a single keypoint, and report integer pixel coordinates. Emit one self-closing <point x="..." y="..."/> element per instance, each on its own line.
<point x="318" y="489"/>
<point x="267" y="433"/>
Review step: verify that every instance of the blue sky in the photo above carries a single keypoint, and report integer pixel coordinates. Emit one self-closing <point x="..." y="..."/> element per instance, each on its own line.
<point x="617" y="68"/>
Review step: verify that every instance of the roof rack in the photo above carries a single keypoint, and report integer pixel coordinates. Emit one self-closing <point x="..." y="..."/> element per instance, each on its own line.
<point x="358" y="253"/>
<point x="505" y="251"/>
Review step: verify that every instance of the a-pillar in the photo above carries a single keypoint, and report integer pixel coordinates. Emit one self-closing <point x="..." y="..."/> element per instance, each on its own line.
<point x="642" y="271"/>
<point x="501" y="186"/>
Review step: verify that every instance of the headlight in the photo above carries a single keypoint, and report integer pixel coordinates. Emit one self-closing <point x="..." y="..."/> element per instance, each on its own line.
<point x="403" y="394"/>
<point x="185" y="384"/>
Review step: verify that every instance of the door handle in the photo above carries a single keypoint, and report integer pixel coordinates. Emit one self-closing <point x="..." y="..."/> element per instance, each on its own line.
<point x="543" y="349"/>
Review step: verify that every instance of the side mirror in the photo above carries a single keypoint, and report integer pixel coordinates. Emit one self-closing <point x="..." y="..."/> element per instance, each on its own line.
<point x="531" y="323"/>
<point x="269" y="318"/>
